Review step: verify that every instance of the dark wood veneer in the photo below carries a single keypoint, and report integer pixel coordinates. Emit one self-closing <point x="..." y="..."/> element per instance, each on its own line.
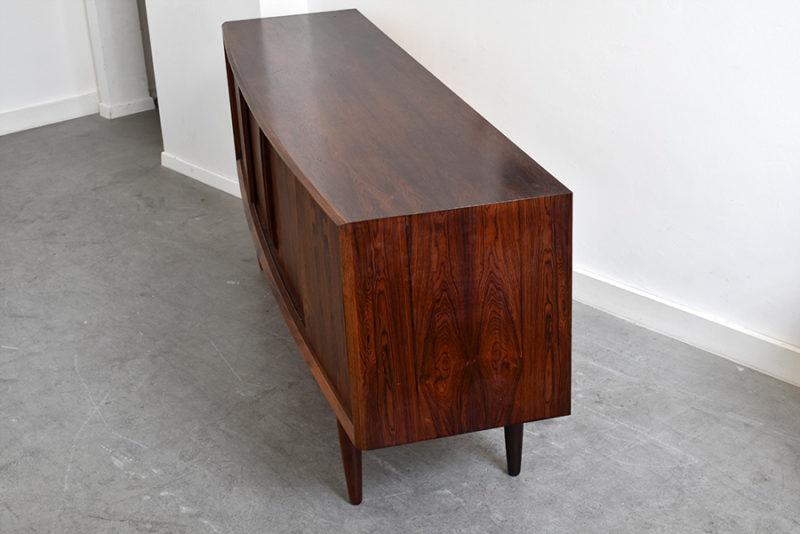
<point x="422" y="261"/>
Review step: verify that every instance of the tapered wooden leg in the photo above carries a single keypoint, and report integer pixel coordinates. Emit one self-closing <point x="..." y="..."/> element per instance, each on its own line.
<point x="513" y="448"/>
<point x="351" y="459"/>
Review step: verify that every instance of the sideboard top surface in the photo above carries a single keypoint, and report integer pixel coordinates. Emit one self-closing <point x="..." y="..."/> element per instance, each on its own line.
<point x="368" y="129"/>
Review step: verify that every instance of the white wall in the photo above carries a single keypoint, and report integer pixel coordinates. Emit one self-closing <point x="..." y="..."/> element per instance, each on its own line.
<point x="46" y="71"/>
<point x="118" y="53"/>
<point x="277" y="8"/>
<point x="677" y="126"/>
<point x="189" y="65"/>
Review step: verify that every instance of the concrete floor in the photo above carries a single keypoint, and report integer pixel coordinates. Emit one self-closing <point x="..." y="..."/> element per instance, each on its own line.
<point x="149" y="384"/>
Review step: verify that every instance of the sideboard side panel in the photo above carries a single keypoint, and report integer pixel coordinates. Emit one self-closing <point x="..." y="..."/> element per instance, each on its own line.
<point x="466" y="267"/>
<point x="460" y="319"/>
<point x="380" y="331"/>
<point x="547" y="307"/>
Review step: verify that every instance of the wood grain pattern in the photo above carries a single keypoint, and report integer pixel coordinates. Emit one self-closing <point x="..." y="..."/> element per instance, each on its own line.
<point x="547" y="305"/>
<point x="380" y="334"/>
<point x="460" y="320"/>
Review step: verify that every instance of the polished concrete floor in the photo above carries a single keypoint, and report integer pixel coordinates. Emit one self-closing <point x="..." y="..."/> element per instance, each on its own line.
<point x="148" y="384"/>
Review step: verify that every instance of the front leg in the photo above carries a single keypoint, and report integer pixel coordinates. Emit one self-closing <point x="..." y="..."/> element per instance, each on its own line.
<point x="514" y="448"/>
<point x="351" y="459"/>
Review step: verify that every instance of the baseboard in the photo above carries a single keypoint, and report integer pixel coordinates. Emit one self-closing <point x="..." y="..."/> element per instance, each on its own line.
<point x="115" y="111"/>
<point x="48" y="113"/>
<point x="191" y="170"/>
<point x="745" y="347"/>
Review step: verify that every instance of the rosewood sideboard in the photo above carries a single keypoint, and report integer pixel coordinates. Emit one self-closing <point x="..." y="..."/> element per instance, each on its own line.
<point x="422" y="261"/>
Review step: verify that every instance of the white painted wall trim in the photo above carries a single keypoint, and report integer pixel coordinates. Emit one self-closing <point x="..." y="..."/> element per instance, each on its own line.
<point x="228" y="185"/>
<point x="128" y="108"/>
<point x="745" y="347"/>
<point x="73" y="107"/>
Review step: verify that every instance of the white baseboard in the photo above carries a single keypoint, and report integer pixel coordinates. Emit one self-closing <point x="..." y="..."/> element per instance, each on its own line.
<point x="745" y="347"/>
<point x="48" y="112"/>
<point x="223" y="183"/>
<point x="114" y="111"/>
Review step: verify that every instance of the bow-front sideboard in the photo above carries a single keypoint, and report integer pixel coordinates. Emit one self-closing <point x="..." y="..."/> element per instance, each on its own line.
<point x="422" y="261"/>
